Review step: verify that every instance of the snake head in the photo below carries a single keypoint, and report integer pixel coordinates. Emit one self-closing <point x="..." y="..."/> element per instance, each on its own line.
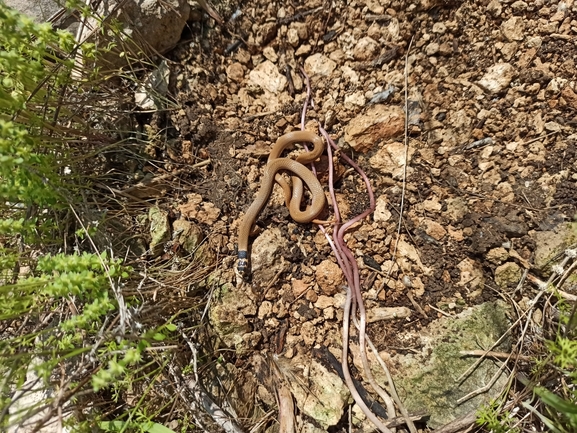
<point x="242" y="267"/>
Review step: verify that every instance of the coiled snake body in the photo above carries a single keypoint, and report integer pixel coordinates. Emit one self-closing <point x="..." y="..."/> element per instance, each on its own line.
<point x="293" y="197"/>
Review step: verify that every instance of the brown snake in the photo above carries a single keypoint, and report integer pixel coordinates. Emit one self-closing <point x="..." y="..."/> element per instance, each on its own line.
<point x="293" y="198"/>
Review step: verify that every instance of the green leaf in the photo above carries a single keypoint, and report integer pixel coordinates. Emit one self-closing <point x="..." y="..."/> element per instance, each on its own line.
<point x="566" y="407"/>
<point x="151" y="427"/>
<point x="112" y="426"/>
<point x="170" y="327"/>
<point x="159" y="428"/>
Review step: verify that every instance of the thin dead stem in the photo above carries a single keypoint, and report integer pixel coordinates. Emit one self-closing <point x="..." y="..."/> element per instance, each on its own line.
<point x="406" y="141"/>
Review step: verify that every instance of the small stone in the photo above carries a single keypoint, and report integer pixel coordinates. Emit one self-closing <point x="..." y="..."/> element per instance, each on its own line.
<point x="570" y="97"/>
<point x="434" y="229"/>
<point x="379" y="123"/>
<point x="471" y="273"/>
<point x="366" y="49"/>
<point x="432" y="49"/>
<point x="355" y="99"/>
<point x="375" y="7"/>
<point x="508" y="50"/>
<point x="381" y="212"/>
<point x="456" y="209"/>
<point x="303" y="50"/>
<point x="408" y="257"/>
<point x="350" y="74"/>
<point x="519" y="7"/>
<point x="456" y="235"/>
<point x="235" y="72"/>
<point x="445" y="49"/>
<point x="324" y="301"/>
<point x="264" y="309"/>
<point x="267" y="76"/>
<point x="292" y="37"/>
<point x="556" y="85"/>
<point x="338" y="56"/>
<point x="377" y="314"/>
<point x="432" y="205"/>
<point x="391" y="160"/>
<point x="497" y="78"/>
<point x="497" y="255"/>
<point x="270" y="54"/>
<point x="308" y="333"/>
<point x="535" y="42"/>
<point x="302" y="30"/>
<point x="311" y="296"/>
<point x="513" y="29"/>
<point x="508" y="275"/>
<point x="552" y="127"/>
<point x="299" y="287"/>
<point x="494" y="8"/>
<point x="560" y="14"/>
<point x="317" y="64"/>
<point x="439" y="28"/>
<point x="329" y="277"/>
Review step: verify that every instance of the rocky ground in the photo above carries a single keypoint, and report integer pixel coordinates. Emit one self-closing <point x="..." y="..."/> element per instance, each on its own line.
<point x="490" y="182"/>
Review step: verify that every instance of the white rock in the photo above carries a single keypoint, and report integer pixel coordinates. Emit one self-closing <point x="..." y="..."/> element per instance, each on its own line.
<point x="317" y="64"/>
<point x="494" y="8"/>
<point x="439" y="28"/>
<point x="513" y="29"/>
<point x="552" y="126"/>
<point x="381" y="212"/>
<point x="390" y="160"/>
<point x="497" y="78"/>
<point x="432" y="49"/>
<point x="519" y="7"/>
<point x="267" y="76"/>
<point x="556" y="84"/>
<point x="150" y="94"/>
<point x="355" y="99"/>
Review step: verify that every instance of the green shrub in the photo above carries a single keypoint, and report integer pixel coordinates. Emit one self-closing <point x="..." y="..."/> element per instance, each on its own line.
<point x="54" y="308"/>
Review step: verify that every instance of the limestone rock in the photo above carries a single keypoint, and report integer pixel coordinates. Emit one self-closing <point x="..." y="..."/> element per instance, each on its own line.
<point x="497" y="78"/>
<point x="391" y="160"/>
<point x="381" y="212"/>
<point x="508" y="275"/>
<point x="187" y="234"/>
<point x="266" y="255"/>
<point x="329" y="277"/>
<point x="471" y="273"/>
<point x="430" y="379"/>
<point x="366" y="49"/>
<point x="235" y="72"/>
<point x="380" y="122"/>
<point x="497" y="255"/>
<point x="317" y="64"/>
<point x="323" y="397"/>
<point x="267" y="76"/>
<point x="513" y="29"/>
<point x="552" y="243"/>
<point x="159" y="230"/>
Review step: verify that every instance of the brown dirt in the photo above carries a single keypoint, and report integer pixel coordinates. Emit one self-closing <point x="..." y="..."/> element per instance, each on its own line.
<point x="488" y="195"/>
